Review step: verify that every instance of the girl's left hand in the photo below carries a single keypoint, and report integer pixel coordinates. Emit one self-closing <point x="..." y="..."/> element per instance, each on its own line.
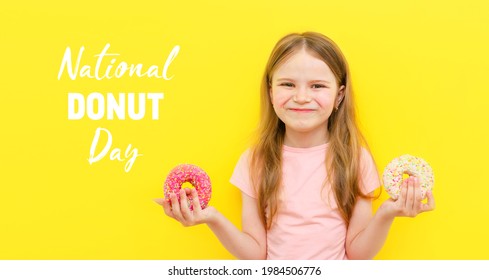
<point x="409" y="203"/>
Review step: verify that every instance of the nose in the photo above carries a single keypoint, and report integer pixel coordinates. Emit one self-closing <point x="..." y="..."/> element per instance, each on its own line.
<point x="301" y="95"/>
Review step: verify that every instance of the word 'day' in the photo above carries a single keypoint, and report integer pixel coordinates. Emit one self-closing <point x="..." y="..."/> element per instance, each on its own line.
<point x="132" y="154"/>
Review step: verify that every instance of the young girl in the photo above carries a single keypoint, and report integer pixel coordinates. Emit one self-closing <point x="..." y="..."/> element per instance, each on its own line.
<point x="307" y="184"/>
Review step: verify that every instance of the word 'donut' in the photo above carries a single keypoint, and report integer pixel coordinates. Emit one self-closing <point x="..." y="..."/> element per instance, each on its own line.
<point x="95" y="106"/>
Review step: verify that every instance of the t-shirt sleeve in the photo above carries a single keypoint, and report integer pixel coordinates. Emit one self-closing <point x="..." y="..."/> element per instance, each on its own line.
<point x="369" y="180"/>
<point x="241" y="175"/>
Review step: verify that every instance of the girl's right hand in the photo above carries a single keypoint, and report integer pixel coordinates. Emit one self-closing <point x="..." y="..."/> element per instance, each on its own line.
<point x="409" y="203"/>
<point x="180" y="211"/>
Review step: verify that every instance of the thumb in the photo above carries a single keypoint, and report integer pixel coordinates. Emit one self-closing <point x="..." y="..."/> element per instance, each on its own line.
<point x="159" y="201"/>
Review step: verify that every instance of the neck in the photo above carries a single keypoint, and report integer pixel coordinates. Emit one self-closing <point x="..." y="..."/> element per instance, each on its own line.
<point x="306" y="139"/>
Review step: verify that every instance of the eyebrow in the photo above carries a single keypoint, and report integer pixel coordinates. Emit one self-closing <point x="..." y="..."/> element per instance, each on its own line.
<point x="321" y="81"/>
<point x="313" y="81"/>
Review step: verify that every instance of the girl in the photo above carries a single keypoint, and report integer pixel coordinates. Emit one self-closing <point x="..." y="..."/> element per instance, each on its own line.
<point x="307" y="183"/>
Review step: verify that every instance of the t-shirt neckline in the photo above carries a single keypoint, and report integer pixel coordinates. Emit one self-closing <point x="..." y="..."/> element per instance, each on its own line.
<point x="305" y="150"/>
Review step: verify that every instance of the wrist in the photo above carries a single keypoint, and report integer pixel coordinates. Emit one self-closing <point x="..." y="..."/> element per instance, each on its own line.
<point x="212" y="216"/>
<point x="385" y="212"/>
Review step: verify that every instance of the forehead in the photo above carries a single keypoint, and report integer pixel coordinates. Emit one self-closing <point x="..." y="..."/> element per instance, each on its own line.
<point x="302" y="64"/>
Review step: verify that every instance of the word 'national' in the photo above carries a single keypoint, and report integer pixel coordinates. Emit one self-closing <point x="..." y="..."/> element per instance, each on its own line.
<point x="113" y="70"/>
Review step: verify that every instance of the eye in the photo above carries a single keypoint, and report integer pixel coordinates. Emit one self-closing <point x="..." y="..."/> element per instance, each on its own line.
<point x="318" y="86"/>
<point x="286" y="84"/>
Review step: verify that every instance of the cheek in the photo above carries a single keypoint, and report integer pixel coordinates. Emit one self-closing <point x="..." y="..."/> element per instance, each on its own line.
<point x="325" y="101"/>
<point x="280" y="98"/>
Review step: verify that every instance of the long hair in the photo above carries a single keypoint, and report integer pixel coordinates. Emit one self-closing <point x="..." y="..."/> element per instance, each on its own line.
<point x="345" y="142"/>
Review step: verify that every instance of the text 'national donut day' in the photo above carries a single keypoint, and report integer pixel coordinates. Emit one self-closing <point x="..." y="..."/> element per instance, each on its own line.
<point x="112" y="106"/>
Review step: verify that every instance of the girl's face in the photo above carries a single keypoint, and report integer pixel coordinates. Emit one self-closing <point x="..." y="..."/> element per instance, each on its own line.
<point x="304" y="92"/>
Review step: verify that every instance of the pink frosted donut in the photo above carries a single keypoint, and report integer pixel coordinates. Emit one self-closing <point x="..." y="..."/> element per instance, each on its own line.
<point x="192" y="174"/>
<point x="407" y="164"/>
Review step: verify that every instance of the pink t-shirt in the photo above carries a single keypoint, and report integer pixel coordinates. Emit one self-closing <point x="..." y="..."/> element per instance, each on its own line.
<point x="308" y="224"/>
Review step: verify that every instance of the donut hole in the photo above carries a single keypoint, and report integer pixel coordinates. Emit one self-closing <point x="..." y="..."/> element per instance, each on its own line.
<point x="187" y="185"/>
<point x="406" y="174"/>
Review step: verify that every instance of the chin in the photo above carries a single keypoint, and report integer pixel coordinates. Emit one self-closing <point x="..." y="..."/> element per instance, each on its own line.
<point x="303" y="128"/>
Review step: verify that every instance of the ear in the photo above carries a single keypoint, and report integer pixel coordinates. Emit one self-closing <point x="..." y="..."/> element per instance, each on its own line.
<point x="340" y="96"/>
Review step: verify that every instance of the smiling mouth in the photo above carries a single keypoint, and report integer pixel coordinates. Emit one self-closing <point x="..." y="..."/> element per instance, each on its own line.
<point x="301" y="110"/>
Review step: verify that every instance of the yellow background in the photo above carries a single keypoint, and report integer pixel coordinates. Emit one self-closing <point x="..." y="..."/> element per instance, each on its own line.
<point x="420" y="71"/>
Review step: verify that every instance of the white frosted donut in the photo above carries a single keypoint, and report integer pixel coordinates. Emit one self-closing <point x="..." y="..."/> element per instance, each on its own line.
<point x="407" y="164"/>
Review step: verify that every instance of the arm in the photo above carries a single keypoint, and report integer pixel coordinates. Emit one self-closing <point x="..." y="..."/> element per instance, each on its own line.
<point x="366" y="234"/>
<point x="250" y="243"/>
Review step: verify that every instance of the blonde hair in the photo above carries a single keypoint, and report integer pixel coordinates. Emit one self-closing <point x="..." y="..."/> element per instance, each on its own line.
<point x="345" y="142"/>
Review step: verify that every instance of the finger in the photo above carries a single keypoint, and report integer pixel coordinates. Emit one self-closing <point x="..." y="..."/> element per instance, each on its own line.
<point x="159" y="201"/>
<point x="403" y="194"/>
<point x="196" y="202"/>
<point x="184" y="205"/>
<point x="188" y="193"/>
<point x="410" y="194"/>
<point x="183" y="198"/>
<point x="167" y="208"/>
<point x="430" y="205"/>
<point x="175" y="207"/>
<point x="417" y="195"/>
